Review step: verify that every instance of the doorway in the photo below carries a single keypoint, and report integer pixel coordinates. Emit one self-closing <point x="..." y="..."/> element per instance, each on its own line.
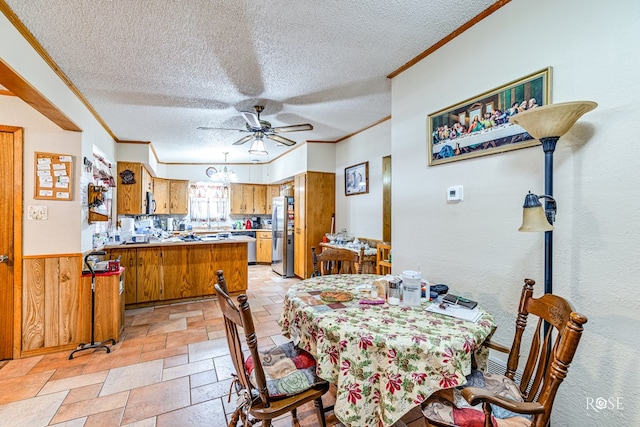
<point x="386" y="199"/>
<point x="11" y="241"/>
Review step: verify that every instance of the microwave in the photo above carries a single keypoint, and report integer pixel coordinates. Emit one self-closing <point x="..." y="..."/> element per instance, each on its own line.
<point x="151" y="203"/>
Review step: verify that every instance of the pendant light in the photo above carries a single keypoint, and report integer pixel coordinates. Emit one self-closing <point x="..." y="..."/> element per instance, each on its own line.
<point x="224" y="175"/>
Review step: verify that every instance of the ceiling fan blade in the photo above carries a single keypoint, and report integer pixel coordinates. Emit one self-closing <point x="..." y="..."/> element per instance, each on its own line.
<point x="252" y="119"/>
<point x="214" y="128"/>
<point x="293" y="128"/>
<point x="243" y="140"/>
<point x="281" y="140"/>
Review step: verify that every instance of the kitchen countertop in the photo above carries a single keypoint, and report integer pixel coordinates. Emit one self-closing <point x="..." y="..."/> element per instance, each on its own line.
<point x="171" y="242"/>
<point x="216" y="230"/>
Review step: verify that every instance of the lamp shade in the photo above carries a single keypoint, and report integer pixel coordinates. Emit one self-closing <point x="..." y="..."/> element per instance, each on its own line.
<point x="553" y="120"/>
<point x="257" y="147"/>
<point x="534" y="217"/>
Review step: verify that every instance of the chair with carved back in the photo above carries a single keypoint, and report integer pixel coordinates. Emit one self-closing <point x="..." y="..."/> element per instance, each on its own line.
<point x="268" y="383"/>
<point x="495" y="400"/>
<point x="336" y="261"/>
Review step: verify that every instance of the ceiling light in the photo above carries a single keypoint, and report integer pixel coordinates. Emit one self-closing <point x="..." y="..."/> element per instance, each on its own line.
<point x="257" y="147"/>
<point x="223" y="175"/>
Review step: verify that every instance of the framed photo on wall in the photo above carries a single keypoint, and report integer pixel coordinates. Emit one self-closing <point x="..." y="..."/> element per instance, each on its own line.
<point x="356" y="179"/>
<point x="480" y="126"/>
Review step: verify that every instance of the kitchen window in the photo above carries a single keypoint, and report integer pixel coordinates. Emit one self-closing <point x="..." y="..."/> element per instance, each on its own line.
<point x="208" y="203"/>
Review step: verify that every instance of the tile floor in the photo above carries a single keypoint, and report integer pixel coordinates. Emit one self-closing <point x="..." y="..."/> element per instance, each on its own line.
<point x="172" y="368"/>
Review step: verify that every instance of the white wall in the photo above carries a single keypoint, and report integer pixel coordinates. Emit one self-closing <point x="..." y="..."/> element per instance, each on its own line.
<point x="361" y="214"/>
<point x="49" y="237"/>
<point x="474" y="247"/>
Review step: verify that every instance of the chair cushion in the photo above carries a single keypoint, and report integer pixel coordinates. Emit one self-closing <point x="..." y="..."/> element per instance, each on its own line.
<point x="288" y="370"/>
<point x="449" y="407"/>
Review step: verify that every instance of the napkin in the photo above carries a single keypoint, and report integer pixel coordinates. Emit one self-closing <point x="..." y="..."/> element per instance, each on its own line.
<point x="457" y="312"/>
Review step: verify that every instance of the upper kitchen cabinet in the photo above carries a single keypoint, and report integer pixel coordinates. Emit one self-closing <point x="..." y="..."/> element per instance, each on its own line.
<point x="179" y="197"/>
<point x="272" y="191"/>
<point x="134" y="181"/>
<point x="171" y="196"/>
<point x="161" y="195"/>
<point x="248" y="199"/>
<point x="314" y="197"/>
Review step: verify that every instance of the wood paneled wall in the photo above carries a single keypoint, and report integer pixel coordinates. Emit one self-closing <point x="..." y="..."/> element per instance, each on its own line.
<point x="51" y="302"/>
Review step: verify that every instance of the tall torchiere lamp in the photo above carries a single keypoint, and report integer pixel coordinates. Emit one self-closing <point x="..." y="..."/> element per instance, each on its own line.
<point x="547" y="124"/>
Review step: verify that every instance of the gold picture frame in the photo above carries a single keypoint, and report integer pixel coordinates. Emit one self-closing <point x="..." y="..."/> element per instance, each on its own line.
<point x="480" y="126"/>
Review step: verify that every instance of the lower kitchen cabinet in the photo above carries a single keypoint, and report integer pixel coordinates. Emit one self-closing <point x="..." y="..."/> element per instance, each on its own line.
<point x="129" y="260"/>
<point x="148" y="285"/>
<point x="263" y="247"/>
<point x="186" y="271"/>
<point x="179" y="271"/>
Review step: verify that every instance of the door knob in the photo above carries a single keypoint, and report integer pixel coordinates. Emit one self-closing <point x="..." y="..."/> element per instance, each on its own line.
<point x="4" y="258"/>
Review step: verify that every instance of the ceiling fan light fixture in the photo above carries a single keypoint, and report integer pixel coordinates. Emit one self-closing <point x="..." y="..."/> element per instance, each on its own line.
<point x="258" y="148"/>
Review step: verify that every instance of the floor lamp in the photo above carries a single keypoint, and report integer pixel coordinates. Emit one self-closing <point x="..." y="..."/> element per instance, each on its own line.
<point x="547" y="124"/>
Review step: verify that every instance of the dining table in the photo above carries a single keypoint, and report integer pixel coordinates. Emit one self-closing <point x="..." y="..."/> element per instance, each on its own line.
<point x="383" y="359"/>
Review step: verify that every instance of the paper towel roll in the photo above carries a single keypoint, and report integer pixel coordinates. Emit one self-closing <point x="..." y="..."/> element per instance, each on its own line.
<point x="127" y="226"/>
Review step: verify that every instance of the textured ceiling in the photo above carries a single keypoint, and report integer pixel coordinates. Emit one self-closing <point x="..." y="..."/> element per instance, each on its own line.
<point x="156" y="70"/>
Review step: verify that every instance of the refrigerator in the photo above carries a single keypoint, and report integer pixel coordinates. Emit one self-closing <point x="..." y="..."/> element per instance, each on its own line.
<point x="282" y="236"/>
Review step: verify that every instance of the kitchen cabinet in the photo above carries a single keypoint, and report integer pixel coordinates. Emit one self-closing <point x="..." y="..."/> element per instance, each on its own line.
<point x="161" y="195"/>
<point x="263" y="246"/>
<point x="148" y="283"/>
<point x="173" y="271"/>
<point x="171" y="196"/>
<point x="179" y="197"/>
<point x="248" y="199"/>
<point x="129" y="260"/>
<point x="132" y="198"/>
<point x="186" y="271"/>
<point x="314" y="197"/>
<point x="259" y="199"/>
<point x="272" y="191"/>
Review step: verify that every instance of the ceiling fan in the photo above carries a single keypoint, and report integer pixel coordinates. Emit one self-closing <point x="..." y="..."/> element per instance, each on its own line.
<point x="260" y="129"/>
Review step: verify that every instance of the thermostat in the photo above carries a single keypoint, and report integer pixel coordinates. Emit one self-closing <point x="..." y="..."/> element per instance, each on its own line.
<point x="454" y="193"/>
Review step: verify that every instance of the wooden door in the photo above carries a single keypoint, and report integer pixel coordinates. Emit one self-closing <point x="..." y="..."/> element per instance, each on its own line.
<point x="128" y="259"/>
<point x="178" y="193"/>
<point x="263" y="252"/>
<point x="175" y="269"/>
<point x="320" y="188"/>
<point x="272" y="191"/>
<point x="237" y="200"/>
<point x="11" y="232"/>
<point x="259" y="199"/>
<point x="299" y="243"/>
<point x="130" y="195"/>
<point x="148" y="284"/>
<point x="161" y="195"/>
<point x="386" y="199"/>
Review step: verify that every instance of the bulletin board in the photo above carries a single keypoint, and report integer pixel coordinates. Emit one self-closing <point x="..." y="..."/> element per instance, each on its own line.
<point x="53" y="176"/>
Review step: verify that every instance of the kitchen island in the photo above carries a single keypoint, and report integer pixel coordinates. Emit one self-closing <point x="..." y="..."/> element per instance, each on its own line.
<point x="168" y="271"/>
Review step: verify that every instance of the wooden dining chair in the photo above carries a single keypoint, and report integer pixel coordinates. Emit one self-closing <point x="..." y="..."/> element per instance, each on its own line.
<point x="268" y="383"/>
<point x="336" y="261"/>
<point x="487" y="399"/>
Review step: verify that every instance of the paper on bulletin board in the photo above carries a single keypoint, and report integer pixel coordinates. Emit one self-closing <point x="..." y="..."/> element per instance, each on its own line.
<point x="53" y="176"/>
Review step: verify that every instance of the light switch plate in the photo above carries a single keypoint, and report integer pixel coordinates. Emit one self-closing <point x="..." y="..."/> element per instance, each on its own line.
<point x="454" y="193"/>
<point x="37" y="213"/>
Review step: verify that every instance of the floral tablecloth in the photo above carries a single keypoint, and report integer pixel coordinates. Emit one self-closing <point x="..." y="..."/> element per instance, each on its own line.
<point x="384" y="359"/>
